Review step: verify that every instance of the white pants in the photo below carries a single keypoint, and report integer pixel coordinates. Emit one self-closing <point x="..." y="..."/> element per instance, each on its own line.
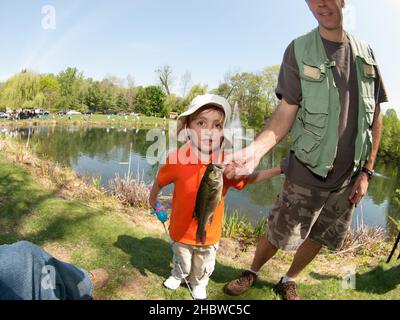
<point x="194" y="263"/>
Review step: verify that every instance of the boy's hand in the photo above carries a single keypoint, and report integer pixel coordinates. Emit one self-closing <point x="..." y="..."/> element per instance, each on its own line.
<point x="153" y="202"/>
<point x="243" y="162"/>
<point x="154" y="192"/>
<point x="230" y="173"/>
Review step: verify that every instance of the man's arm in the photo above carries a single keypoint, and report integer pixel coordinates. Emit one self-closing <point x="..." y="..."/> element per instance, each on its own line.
<point x="276" y="129"/>
<point x="360" y="188"/>
<point x="261" y="176"/>
<point x="376" y="138"/>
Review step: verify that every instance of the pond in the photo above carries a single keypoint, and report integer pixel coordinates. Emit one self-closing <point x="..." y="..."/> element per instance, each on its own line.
<point x="105" y="152"/>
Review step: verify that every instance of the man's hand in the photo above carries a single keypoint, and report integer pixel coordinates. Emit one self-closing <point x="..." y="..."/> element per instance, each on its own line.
<point x="242" y="163"/>
<point x="360" y="189"/>
<point x="361" y="186"/>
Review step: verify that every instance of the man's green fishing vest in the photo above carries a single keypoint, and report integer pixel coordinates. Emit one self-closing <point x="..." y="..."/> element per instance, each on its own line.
<point x="315" y="131"/>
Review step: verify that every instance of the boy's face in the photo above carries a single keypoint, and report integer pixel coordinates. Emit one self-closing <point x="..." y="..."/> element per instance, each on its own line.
<point x="206" y="130"/>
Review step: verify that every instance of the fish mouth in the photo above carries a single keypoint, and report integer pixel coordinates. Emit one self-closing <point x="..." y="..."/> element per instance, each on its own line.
<point x="219" y="166"/>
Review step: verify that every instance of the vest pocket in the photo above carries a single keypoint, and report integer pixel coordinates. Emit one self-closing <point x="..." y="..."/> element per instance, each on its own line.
<point x="305" y="147"/>
<point x="314" y="117"/>
<point x="368" y="77"/>
<point x="368" y="68"/>
<point x="310" y="130"/>
<point x="313" y="73"/>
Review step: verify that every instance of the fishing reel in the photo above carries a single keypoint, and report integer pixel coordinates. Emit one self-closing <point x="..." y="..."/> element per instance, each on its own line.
<point x="160" y="212"/>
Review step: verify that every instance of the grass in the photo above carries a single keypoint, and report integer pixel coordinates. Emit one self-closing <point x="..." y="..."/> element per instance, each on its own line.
<point x="82" y="226"/>
<point x="130" y="191"/>
<point x="96" y="120"/>
<point x="236" y="226"/>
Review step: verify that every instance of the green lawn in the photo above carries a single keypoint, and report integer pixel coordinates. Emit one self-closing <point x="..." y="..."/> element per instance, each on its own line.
<point x="97" y="119"/>
<point x="134" y="250"/>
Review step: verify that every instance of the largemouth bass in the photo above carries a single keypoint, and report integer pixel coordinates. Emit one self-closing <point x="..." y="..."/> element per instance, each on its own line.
<point x="208" y="197"/>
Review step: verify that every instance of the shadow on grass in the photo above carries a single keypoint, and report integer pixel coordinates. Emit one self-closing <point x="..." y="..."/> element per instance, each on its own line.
<point x="323" y="277"/>
<point x="18" y="199"/>
<point x="379" y="280"/>
<point x="155" y="255"/>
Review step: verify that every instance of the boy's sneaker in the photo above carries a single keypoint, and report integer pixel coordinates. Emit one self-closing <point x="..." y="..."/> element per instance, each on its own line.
<point x="173" y="283"/>
<point x="199" y="292"/>
<point x="241" y="285"/>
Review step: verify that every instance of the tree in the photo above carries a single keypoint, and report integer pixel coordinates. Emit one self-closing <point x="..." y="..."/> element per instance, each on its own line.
<point x="269" y="83"/>
<point x="196" y="90"/>
<point x="130" y="81"/>
<point x="165" y="77"/>
<point x="122" y="103"/>
<point x="71" y="82"/>
<point x="186" y="83"/>
<point x="94" y="97"/>
<point x="22" y="91"/>
<point x="254" y="93"/>
<point x="50" y="88"/>
<point x="151" y="101"/>
<point x="390" y="145"/>
<point x="174" y="103"/>
<point x="391" y="113"/>
<point x="224" y="90"/>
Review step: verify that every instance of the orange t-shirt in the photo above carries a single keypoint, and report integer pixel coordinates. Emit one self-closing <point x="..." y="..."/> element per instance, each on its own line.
<point x="187" y="178"/>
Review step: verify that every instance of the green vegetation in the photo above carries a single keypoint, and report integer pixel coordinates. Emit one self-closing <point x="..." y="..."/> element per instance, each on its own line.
<point x="98" y="120"/>
<point x="71" y="90"/>
<point x="390" y="148"/>
<point x="254" y="94"/>
<point x="235" y="226"/>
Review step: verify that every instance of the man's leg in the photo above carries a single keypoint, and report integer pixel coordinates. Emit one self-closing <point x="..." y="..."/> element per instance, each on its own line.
<point x="264" y="252"/>
<point x="303" y="257"/>
<point x="289" y="224"/>
<point x="329" y="230"/>
<point x="28" y="273"/>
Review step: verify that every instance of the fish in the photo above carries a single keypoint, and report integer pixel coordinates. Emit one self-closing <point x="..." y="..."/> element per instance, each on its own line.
<point x="208" y="197"/>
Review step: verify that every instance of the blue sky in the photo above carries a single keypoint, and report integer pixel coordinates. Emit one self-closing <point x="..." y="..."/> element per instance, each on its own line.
<point x="208" y="38"/>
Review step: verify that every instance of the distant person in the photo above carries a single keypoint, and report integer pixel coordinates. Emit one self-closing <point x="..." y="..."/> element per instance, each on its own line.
<point x="201" y="127"/>
<point x="29" y="273"/>
<point x="331" y="90"/>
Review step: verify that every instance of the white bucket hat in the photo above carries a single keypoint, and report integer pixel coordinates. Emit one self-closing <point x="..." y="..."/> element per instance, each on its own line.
<point x="199" y="102"/>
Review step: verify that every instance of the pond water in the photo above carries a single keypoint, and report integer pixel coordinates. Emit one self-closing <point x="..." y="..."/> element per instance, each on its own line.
<point x="105" y="152"/>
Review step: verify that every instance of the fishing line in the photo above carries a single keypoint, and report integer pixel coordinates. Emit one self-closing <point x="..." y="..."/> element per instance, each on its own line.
<point x="177" y="262"/>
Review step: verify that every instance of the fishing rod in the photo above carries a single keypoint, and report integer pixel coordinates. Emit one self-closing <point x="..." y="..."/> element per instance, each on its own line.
<point x="394" y="249"/>
<point x="162" y="216"/>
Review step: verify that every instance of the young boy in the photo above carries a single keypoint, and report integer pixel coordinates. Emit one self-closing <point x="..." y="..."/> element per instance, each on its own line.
<point x="201" y="127"/>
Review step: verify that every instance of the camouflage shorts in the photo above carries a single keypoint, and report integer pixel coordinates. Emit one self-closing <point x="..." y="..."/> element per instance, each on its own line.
<point x="300" y="213"/>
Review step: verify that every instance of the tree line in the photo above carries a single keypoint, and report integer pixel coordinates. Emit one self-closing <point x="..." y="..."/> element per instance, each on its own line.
<point x="253" y="92"/>
<point x="390" y="146"/>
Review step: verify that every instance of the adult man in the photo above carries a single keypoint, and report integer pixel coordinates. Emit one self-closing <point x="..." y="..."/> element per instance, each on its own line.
<point x="28" y="273"/>
<point x="330" y="90"/>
